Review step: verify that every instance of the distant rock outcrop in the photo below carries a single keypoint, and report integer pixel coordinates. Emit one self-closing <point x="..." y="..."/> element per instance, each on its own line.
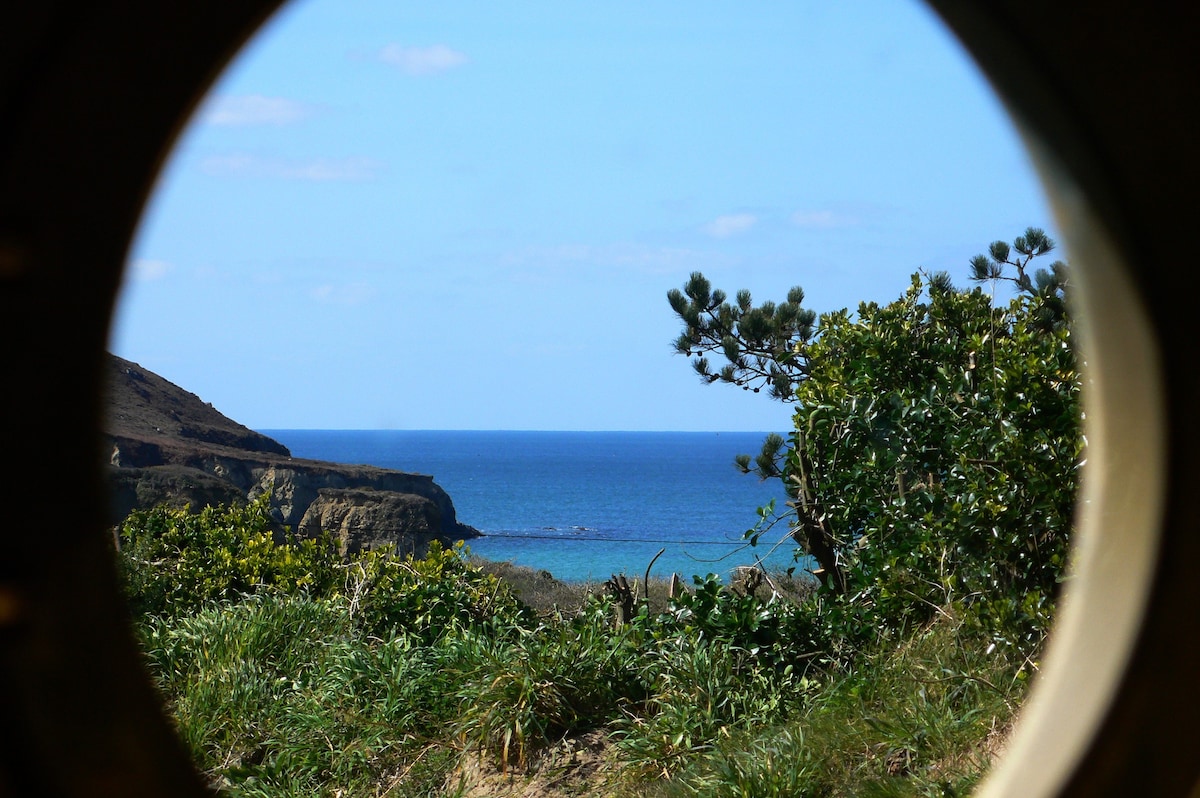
<point x="365" y="519"/>
<point x="167" y="446"/>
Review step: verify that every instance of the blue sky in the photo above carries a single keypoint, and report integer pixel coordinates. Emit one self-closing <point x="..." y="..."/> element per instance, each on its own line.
<point x="466" y="215"/>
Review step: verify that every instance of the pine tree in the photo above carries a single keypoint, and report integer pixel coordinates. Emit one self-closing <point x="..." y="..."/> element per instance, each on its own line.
<point x="761" y="345"/>
<point x="770" y="346"/>
<point x="1048" y="286"/>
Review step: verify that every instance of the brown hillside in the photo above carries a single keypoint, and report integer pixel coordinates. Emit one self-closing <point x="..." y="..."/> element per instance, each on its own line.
<point x="168" y="446"/>
<point x="143" y="406"/>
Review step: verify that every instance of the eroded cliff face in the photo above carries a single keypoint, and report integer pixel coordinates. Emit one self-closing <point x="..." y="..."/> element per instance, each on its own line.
<point x="362" y="506"/>
<point x="167" y="446"/>
<point x="368" y="519"/>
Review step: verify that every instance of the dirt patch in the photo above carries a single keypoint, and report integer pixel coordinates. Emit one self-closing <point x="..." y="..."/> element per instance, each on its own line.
<point x="582" y="766"/>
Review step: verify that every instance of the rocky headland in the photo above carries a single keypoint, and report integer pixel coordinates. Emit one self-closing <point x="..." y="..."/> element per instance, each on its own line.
<point x="167" y="446"/>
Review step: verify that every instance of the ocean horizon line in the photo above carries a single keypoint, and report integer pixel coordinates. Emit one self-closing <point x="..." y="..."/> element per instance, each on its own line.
<point x="581" y="504"/>
<point x="548" y="431"/>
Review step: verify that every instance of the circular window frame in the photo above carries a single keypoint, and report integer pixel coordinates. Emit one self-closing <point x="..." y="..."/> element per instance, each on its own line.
<point x="92" y="95"/>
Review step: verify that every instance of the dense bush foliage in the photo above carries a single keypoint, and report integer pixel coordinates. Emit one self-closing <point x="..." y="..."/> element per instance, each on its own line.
<point x="175" y="562"/>
<point x="939" y="439"/>
<point x="935" y="447"/>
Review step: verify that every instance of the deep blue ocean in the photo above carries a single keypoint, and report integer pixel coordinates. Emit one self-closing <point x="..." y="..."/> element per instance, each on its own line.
<point x="582" y="505"/>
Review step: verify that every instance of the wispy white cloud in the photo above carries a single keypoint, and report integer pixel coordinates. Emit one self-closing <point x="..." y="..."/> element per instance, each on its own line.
<point x="318" y="169"/>
<point x="656" y="260"/>
<point x="431" y="60"/>
<point x="820" y="219"/>
<point x="146" y="269"/>
<point x="346" y="295"/>
<point x="730" y="225"/>
<point x="640" y="258"/>
<point x="253" y="109"/>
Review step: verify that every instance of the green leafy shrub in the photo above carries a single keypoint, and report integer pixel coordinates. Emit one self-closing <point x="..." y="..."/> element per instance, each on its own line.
<point x="174" y="561"/>
<point x="777" y="631"/>
<point x="948" y="434"/>
<point x="935" y="448"/>
<point x="429" y="596"/>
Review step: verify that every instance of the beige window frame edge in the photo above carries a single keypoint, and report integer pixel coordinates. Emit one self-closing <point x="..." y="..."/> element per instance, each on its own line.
<point x="1119" y="510"/>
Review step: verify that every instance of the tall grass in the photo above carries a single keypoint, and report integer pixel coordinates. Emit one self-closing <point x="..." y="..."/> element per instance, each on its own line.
<point x="922" y="719"/>
<point x="283" y="695"/>
<point x="392" y="683"/>
<point x="565" y="676"/>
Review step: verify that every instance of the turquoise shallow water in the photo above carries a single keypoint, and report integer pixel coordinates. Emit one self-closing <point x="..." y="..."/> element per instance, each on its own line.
<point x="581" y="505"/>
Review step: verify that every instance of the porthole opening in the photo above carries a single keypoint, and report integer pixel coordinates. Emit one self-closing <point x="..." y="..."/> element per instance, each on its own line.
<point x="466" y="148"/>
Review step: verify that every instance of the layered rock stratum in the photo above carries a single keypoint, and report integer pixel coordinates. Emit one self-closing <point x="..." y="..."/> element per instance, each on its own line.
<point x="167" y="446"/>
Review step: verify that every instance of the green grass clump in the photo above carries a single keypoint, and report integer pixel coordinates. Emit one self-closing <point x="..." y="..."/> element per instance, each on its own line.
<point x="566" y="676"/>
<point x="923" y="719"/>
<point x="287" y="695"/>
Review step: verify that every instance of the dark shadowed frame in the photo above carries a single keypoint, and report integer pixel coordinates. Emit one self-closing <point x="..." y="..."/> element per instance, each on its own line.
<point x="92" y="96"/>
